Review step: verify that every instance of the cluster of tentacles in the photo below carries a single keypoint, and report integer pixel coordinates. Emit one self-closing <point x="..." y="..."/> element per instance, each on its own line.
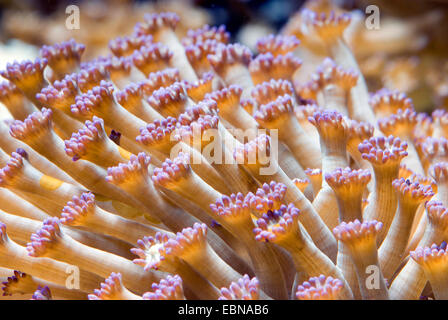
<point x="193" y="169"/>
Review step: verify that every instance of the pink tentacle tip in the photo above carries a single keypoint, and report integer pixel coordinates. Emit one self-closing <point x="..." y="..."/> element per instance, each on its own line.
<point x="158" y="131"/>
<point x="266" y="66"/>
<point x="226" y="98"/>
<point x="130" y="95"/>
<point x="35" y="124"/>
<point x="59" y="93"/>
<point x="382" y="150"/>
<point x="319" y="288"/>
<point x="347" y="179"/>
<point x="439" y="171"/>
<point x="277" y="44"/>
<point x="355" y="231"/>
<point x="228" y="55"/>
<point x="99" y="99"/>
<point x="151" y="251"/>
<point x="437" y="214"/>
<point x="172" y="171"/>
<point x="205" y="33"/>
<point x="269" y="90"/>
<point x="412" y="191"/>
<point x="152" y="57"/>
<point x="25" y="74"/>
<point x="124" y="46"/>
<point x="155" y="21"/>
<point x="171" y="100"/>
<point x="12" y="169"/>
<point x="45" y="238"/>
<point x="359" y="131"/>
<point x="197" y="53"/>
<point x="189" y="241"/>
<point x="253" y="151"/>
<point x="274" y="110"/>
<point x="243" y="289"/>
<point x="278" y="224"/>
<point x="110" y="289"/>
<point x="329" y="123"/>
<point x="159" y="79"/>
<point x="92" y="132"/>
<point x="402" y="122"/>
<point x="434" y="256"/>
<point x="170" y="288"/>
<point x="42" y="293"/>
<point x="269" y="197"/>
<point x="326" y="25"/>
<point x="78" y="208"/>
<point x="233" y="206"/>
<point x="386" y="102"/>
<point x="192" y="113"/>
<point x="136" y="166"/>
<point x="9" y="286"/>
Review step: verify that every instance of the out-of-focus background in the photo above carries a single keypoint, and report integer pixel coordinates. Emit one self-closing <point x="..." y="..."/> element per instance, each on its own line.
<point x="409" y="52"/>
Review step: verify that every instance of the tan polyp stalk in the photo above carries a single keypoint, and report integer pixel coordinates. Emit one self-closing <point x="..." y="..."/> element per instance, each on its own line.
<point x="203" y="167"/>
<point x="31" y="181"/>
<point x="65" y="124"/>
<point x="325" y="204"/>
<point x="267" y="263"/>
<point x="102" y="263"/>
<point x="404" y="132"/>
<point x="21" y="229"/>
<point x="350" y="209"/>
<point x="237" y="179"/>
<point x="241" y="119"/>
<point x="264" y="257"/>
<point x="410" y="282"/>
<point x="10" y="145"/>
<point x="126" y="143"/>
<point x="352" y="149"/>
<point x="52" y="194"/>
<point x="104" y="222"/>
<point x="17" y="104"/>
<point x="238" y="74"/>
<point x="420" y="227"/>
<point x="49" y="207"/>
<point x="176" y="219"/>
<point x="310" y="219"/>
<point x="437" y="274"/>
<point x="196" y="190"/>
<point x="391" y="253"/>
<point x="309" y="259"/>
<point x="199" y="286"/>
<point x="207" y="263"/>
<point x="122" y="120"/>
<point x="13" y="203"/>
<point x="286" y="160"/>
<point x="334" y="155"/>
<point x="107" y="154"/>
<point x="179" y="59"/>
<point x="336" y="98"/>
<point x="412" y="160"/>
<point x="315" y="179"/>
<point x="383" y="200"/>
<point x="365" y="256"/>
<point x="29" y="284"/>
<point x="16" y="257"/>
<point x="291" y="133"/>
<point x="358" y="107"/>
<point x="142" y="110"/>
<point x="90" y="175"/>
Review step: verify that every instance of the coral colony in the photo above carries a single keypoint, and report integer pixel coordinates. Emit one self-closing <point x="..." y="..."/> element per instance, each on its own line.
<point x="192" y="168"/>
